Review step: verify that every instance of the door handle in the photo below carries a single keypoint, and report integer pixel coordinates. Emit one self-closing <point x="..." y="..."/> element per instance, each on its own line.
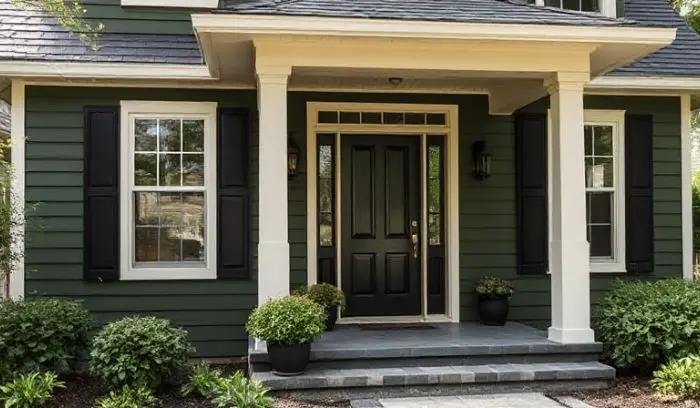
<point x="414" y="238"/>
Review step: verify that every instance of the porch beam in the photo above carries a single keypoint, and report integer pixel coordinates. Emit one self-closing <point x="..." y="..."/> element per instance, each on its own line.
<point x="570" y="263"/>
<point x="273" y="245"/>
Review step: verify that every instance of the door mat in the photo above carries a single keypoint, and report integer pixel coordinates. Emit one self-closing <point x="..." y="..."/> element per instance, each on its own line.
<point x="395" y="326"/>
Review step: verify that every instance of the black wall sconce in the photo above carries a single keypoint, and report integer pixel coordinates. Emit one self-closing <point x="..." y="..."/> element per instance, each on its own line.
<point x="482" y="160"/>
<point x="293" y="157"/>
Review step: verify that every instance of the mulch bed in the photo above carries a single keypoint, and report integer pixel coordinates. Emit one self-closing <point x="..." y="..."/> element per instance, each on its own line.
<point x="630" y="392"/>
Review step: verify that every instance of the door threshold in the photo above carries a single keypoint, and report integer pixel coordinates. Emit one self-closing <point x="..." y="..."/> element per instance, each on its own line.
<point x="395" y="319"/>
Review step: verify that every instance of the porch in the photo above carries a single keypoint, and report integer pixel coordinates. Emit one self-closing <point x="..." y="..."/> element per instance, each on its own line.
<point x="355" y="360"/>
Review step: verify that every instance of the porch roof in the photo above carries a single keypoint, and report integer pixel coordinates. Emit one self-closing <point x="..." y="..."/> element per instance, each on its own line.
<point x="462" y="11"/>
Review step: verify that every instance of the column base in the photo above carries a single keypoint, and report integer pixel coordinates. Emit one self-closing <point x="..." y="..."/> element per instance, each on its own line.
<point x="273" y="270"/>
<point x="571" y="336"/>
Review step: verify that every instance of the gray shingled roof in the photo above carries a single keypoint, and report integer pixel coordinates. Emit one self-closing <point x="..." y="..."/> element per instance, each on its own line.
<point x="27" y="35"/>
<point x="473" y="11"/>
<point x="681" y="58"/>
<point x="4" y="118"/>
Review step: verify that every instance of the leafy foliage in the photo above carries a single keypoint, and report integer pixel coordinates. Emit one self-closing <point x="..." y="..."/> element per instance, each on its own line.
<point x="139" y="352"/>
<point x="128" y="397"/>
<point x="237" y="391"/>
<point x="690" y="9"/>
<point x="41" y="335"/>
<point x="327" y="295"/>
<point x="644" y="324"/>
<point x="30" y="390"/>
<point x="234" y="391"/>
<point x="288" y="320"/>
<point x="70" y="14"/>
<point x="489" y="285"/>
<point x="203" y="381"/>
<point x="679" y="378"/>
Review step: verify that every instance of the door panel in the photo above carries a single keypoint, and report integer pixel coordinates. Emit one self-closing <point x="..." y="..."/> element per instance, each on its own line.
<point x="380" y="199"/>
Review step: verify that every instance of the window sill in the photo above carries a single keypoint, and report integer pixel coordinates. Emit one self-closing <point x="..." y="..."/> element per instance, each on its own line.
<point x="600" y="267"/>
<point x="151" y="274"/>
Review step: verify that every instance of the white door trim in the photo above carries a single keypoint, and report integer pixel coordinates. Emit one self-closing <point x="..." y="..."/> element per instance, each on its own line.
<point x="450" y="129"/>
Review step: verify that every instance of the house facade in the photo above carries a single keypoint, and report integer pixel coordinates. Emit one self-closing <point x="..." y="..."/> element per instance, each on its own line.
<point x="212" y="155"/>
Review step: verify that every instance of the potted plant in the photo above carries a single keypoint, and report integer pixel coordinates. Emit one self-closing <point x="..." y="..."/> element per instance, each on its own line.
<point x="493" y="297"/>
<point x="331" y="298"/>
<point x="288" y="325"/>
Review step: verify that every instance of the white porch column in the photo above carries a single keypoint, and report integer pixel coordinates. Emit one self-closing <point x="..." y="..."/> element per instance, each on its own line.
<point x="570" y="263"/>
<point x="273" y="244"/>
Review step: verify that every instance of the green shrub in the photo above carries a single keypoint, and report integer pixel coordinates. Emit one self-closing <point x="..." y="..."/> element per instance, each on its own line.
<point x="204" y="381"/>
<point x="679" y="378"/>
<point x="237" y="391"/>
<point x="41" y="335"/>
<point x="29" y="390"/>
<point x="326" y="295"/>
<point x="138" y="352"/>
<point x="489" y="285"/>
<point x="128" y="397"/>
<point x="644" y="324"/>
<point x="288" y="320"/>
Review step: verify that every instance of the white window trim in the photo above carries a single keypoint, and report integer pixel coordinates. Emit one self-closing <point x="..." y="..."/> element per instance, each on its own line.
<point x="190" y="4"/>
<point x="615" y="118"/>
<point x="607" y="8"/>
<point x="130" y="110"/>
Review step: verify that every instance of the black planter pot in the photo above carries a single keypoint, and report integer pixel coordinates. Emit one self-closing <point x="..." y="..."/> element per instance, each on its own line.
<point x="289" y="359"/>
<point x="331" y="317"/>
<point x="493" y="309"/>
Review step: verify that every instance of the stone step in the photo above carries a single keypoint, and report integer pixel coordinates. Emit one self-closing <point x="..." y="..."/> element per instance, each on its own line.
<point x="345" y="379"/>
<point x="428" y="356"/>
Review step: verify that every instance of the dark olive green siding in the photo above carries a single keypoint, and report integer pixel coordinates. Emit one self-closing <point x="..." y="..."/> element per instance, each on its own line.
<point x="117" y="19"/>
<point x="215" y="312"/>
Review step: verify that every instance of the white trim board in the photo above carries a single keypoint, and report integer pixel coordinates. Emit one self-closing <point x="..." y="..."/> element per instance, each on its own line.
<point x="686" y="190"/>
<point x="668" y="83"/>
<point x="451" y="130"/>
<point x="99" y="70"/>
<point x="17" y="275"/>
<point x="190" y="4"/>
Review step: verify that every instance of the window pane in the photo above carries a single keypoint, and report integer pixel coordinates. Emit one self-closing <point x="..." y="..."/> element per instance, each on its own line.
<point x="325" y="195"/>
<point x="146" y="244"/>
<point x="145" y="169"/>
<point x="552" y="3"/>
<point x="145" y="135"/>
<point x="589" y="5"/>
<point x="170" y="205"/>
<point x="325" y="161"/>
<point x="371" y="117"/>
<point x="393" y="118"/>
<point x="436" y="119"/>
<point x="571" y="4"/>
<point x="193" y="227"/>
<point x="603" y="141"/>
<point x="415" y="118"/>
<point x="326" y="229"/>
<point x="605" y="167"/>
<point x="350" y="117"/>
<point x="193" y="169"/>
<point x="169" y="244"/>
<point x="601" y="241"/>
<point x="193" y="135"/>
<point x="170" y="169"/>
<point x="169" y="134"/>
<point x="588" y="140"/>
<point x="600" y="208"/>
<point x="434" y="235"/>
<point x="146" y="211"/>
<point x="328" y="117"/>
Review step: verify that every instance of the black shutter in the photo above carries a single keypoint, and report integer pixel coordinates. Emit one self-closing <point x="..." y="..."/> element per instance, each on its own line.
<point x="233" y="204"/>
<point x="101" y="201"/>
<point x="639" y="180"/>
<point x="531" y="191"/>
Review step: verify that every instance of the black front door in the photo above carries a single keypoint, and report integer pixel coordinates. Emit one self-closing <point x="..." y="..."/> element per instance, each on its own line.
<point x="380" y="213"/>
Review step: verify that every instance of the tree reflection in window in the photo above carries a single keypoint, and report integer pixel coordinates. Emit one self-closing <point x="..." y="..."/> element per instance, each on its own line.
<point x="325" y="195"/>
<point x="434" y="195"/>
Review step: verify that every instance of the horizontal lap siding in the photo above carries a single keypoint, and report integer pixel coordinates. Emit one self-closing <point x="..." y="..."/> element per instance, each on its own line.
<point x="117" y="19"/>
<point x="214" y="312"/>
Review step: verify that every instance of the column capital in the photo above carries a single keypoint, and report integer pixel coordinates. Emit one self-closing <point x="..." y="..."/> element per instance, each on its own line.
<point x="273" y="74"/>
<point x="566" y="81"/>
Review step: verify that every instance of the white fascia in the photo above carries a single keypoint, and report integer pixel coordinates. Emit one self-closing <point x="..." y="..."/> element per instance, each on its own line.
<point x="189" y="4"/>
<point x="98" y="70"/>
<point x="319" y="26"/>
<point x="646" y="83"/>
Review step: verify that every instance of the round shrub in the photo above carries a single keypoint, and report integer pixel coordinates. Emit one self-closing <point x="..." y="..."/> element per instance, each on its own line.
<point x="139" y="352"/>
<point x="679" y="378"/>
<point x="644" y="324"/>
<point x="288" y="320"/>
<point x="326" y="295"/>
<point x="41" y="335"/>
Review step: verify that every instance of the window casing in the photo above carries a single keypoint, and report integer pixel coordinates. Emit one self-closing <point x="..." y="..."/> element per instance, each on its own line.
<point x="168" y="190"/>
<point x="604" y="132"/>
<point x="576" y="5"/>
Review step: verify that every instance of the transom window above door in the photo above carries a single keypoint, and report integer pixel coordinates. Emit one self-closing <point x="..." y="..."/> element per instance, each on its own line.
<point x="382" y="118"/>
<point x="168" y="187"/>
